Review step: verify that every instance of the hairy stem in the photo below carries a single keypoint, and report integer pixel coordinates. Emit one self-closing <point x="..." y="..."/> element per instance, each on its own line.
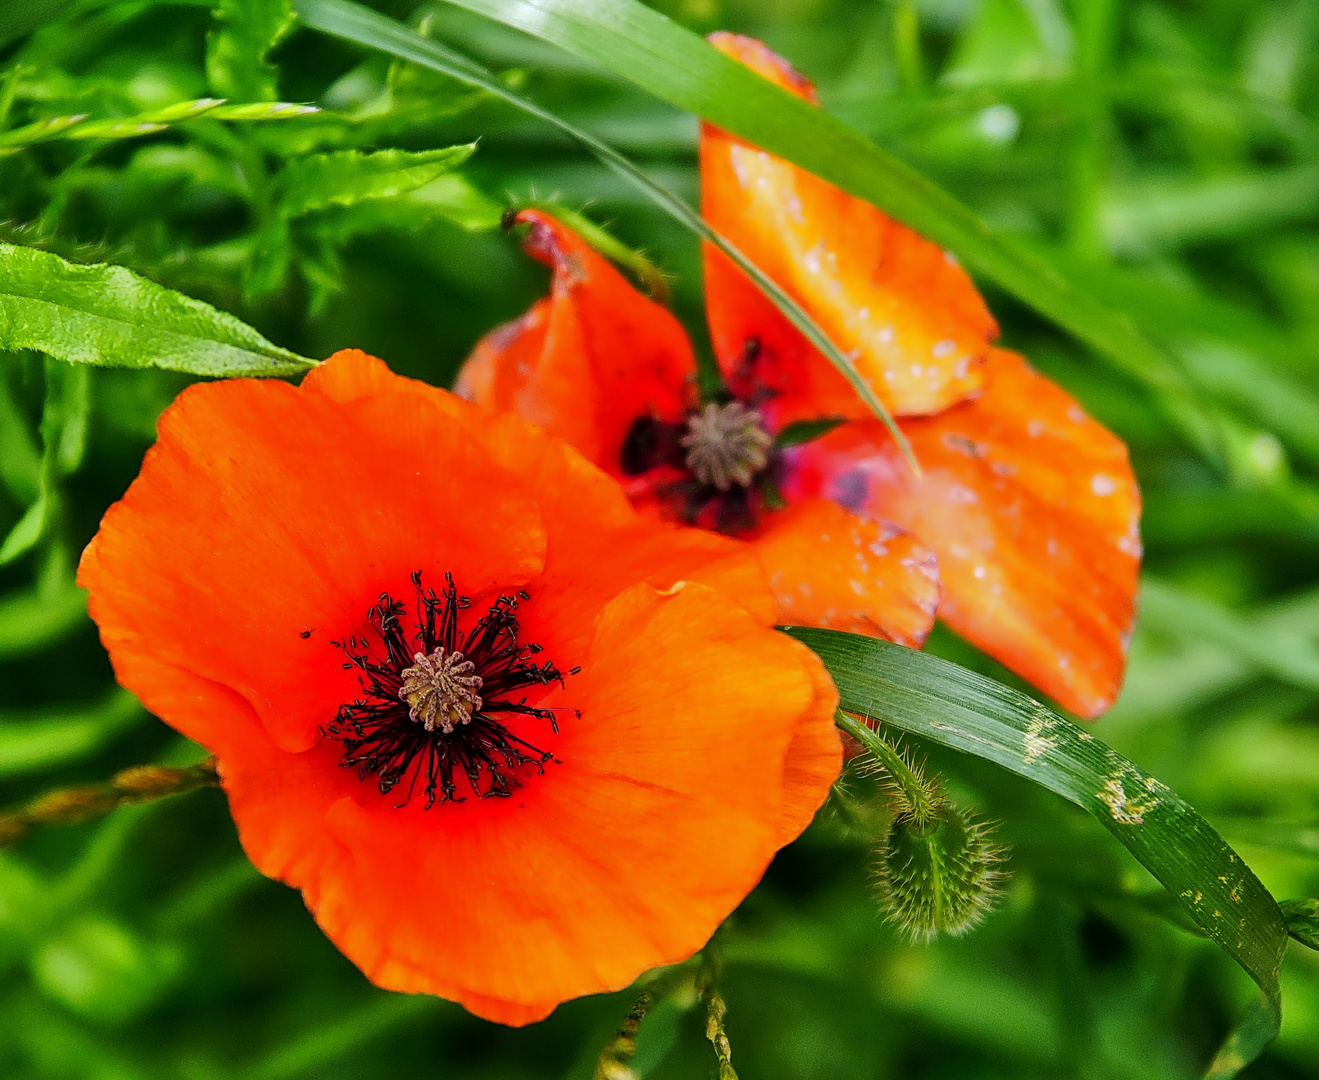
<point x="920" y="798"/>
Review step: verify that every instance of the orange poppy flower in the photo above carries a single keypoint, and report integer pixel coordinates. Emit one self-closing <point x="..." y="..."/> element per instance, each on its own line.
<point x="512" y="741"/>
<point x="1030" y="506"/>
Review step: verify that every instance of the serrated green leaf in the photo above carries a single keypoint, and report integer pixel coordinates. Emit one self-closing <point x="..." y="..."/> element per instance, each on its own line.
<point x="937" y="700"/>
<point x="236" y="52"/>
<point x="108" y="316"/>
<point x="344" y="177"/>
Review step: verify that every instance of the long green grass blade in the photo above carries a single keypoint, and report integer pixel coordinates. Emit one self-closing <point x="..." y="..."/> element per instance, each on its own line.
<point x="352" y="22"/>
<point x="939" y="701"/>
<point x="669" y="61"/>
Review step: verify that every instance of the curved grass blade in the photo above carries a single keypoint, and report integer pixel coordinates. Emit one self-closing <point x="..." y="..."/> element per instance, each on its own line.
<point x="352" y="22"/>
<point x="647" y="48"/>
<point x="949" y="705"/>
<point x="109" y="316"/>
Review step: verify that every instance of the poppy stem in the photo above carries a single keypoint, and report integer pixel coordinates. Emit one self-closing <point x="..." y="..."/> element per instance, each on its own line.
<point x="716" y="1010"/>
<point x="918" y="796"/>
<point x="71" y="805"/>
<point x="619" y="1051"/>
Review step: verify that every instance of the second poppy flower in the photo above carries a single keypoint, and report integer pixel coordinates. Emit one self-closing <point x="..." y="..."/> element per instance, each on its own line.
<point x="1027" y="505"/>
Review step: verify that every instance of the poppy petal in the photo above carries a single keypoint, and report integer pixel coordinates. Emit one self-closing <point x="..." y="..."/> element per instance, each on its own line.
<point x="587" y="361"/>
<point x="228" y="515"/>
<point x="565" y="865"/>
<point x="1034" y="512"/>
<point x="584" y="508"/>
<point x="830" y="567"/>
<point x="814" y="760"/>
<point x="899" y="305"/>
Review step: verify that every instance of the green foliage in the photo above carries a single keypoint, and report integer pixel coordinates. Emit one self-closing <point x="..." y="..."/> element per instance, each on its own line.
<point x="348" y="177"/>
<point x="108" y="316"/>
<point x="1157" y="158"/>
<point x="949" y="705"/>
<point x="237" y="52"/>
<point x="800" y="432"/>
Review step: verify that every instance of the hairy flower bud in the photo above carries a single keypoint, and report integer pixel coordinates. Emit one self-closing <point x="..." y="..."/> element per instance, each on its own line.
<point x="938" y="873"/>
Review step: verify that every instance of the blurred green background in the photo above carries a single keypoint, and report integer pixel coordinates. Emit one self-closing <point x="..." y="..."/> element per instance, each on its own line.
<point x="1163" y="154"/>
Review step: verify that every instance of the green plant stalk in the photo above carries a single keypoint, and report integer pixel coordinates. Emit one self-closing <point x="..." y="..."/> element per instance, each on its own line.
<point x="352" y="22"/>
<point x="74" y="805"/>
<point x="915" y="790"/>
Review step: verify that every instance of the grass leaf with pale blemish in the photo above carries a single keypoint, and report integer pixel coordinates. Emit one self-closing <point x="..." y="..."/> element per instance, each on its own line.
<point x="939" y="701"/>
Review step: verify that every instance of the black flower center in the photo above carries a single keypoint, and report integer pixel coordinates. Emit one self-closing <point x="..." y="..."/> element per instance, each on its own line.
<point x="436" y="702"/>
<point x="719" y="466"/>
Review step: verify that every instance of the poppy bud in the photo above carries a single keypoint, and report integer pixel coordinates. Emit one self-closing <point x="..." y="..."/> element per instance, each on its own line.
<point x="938" y="871"/>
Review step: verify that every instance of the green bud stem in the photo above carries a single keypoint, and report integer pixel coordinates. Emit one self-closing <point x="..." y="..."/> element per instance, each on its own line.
<point x="69" y="806"/>
<point x="920" y="799"/>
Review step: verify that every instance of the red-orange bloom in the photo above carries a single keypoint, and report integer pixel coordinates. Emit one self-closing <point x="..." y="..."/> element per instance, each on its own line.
<point x="1030" y="506"/>
<point x="511" y="740"/>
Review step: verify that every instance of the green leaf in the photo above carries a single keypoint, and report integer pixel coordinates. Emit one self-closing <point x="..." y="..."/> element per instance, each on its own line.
<point x="936" y="700"/>
<point x="353" y="22"/>
<point x="24" y="536"/>
<point x="640" y="44"/>
<point x="319" y="181"/>
<point x="39" y="740"/>
<point x="803" y="431"/>
<point x="236" y="52"/>
<point x="64" y="437"/>
<point x="1302" y="921"/>
<point x="108" y="316"/>
<point x="20" y="460"/>
<point x="29" y="621"/>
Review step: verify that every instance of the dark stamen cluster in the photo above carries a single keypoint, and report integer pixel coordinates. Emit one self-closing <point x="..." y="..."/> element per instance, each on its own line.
<point x="381" y="733"/>
<point x="728" y="464"/>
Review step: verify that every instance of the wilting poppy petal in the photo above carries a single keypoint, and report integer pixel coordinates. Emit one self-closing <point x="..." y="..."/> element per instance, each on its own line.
<point x="644" y="767"/>
<point x="1034" y="513"/>
<point x="588" y="359"/>
<point x="831" y="567"/>
<point x="898" y="304"/>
